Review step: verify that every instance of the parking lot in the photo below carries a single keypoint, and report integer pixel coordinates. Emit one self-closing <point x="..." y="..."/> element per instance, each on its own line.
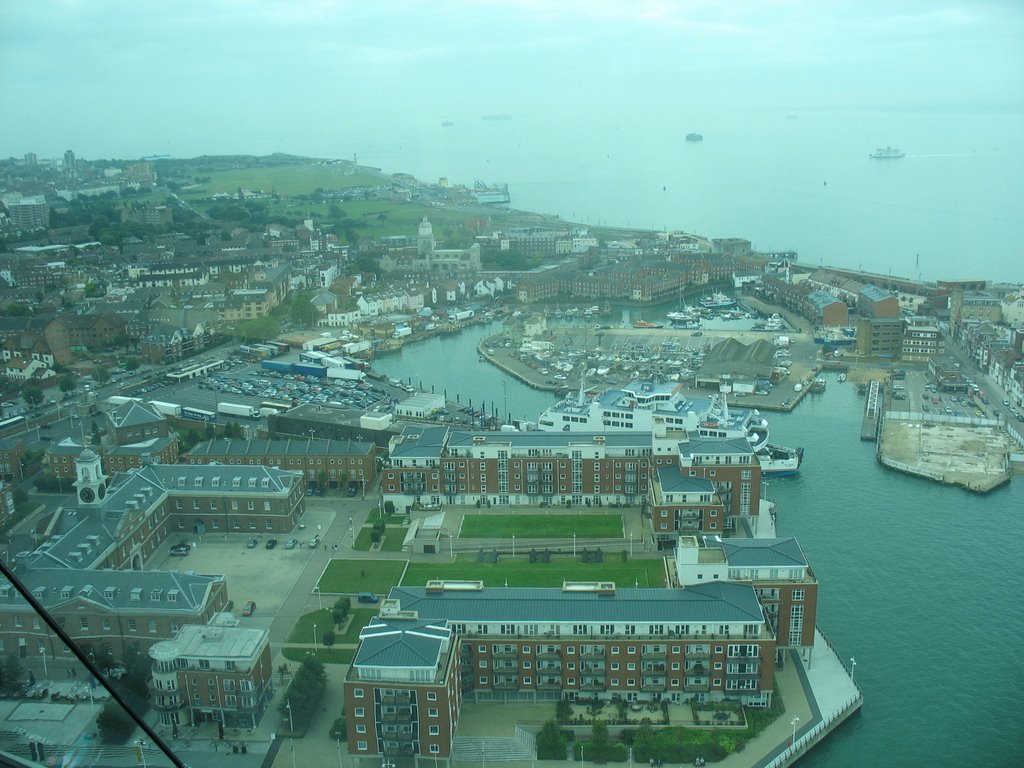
<point x="247" y="383"/>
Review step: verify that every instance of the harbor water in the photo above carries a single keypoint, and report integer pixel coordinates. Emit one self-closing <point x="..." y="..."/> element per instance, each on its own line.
<point x="918" y="580"/>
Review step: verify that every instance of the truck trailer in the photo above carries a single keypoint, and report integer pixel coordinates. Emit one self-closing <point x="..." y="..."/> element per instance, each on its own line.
<point x="235" y="409"/>
<point x="167" y="409"/>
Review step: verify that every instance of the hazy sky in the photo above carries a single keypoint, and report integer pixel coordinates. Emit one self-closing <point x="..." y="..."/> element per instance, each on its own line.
<point x="126" y="79"/>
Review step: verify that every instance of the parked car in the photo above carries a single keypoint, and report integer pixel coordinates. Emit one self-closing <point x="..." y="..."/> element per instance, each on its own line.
<point x="367" y="597"/>
<point x="250" y="544"/>
<point x="248" y="608"/>
<point x="180" y="550"/>
<point x="291" y="544"/>
<point x="314" y="542"/>
<point x="271" y="543"/>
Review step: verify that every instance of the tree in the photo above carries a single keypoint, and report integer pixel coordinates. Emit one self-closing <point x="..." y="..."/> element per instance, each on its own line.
<point x="131" y="363"/>
<point x="32" y="395"/>
<point x="563" y="711"/>
<point x="114" y="723"/>
<point x="329" y="638"/>
<point x="11" y="673"/>
<point x="102" y="375"/>
<point x="67" y="383"/>
<point x="550" y="742"/>
<point x="304" y="692"/>
<point x="598" y="746"/>
<point x="389" y="507"/>
<point x="643" y="743"/>
<point x="96" y="438"/>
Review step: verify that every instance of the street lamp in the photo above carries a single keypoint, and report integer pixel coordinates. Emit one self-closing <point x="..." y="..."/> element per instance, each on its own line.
<point x="853" y="667"/>
<point x="314" y="634"/>
<point x="339" y="752"/>
<point x="319" y="601"/>
<point x="581" y="753"/>
<point x="574" y="544"/>
<point x="513" y="545"/>
<point x="291" y="723"/>
<point x="794" y="721"/>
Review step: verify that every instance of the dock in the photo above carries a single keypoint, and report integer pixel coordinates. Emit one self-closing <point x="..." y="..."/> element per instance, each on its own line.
<point x="968" y="452"/>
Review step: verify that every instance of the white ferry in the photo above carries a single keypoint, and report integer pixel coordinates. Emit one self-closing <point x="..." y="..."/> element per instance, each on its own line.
<point x="634" y="407"/>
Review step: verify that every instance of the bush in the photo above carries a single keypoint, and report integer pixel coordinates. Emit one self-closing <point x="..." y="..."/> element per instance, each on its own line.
<point x="338" y="730"/>
<point x="328" y="639"/>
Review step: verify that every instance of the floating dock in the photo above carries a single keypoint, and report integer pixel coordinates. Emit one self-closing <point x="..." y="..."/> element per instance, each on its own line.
<point x="872" y="412"/>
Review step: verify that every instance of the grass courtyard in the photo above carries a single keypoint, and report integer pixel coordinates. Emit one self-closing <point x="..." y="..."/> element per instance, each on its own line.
<point x="520" y="572"/>
<point x="589" y="526"/>
<point x="353" y="576"/>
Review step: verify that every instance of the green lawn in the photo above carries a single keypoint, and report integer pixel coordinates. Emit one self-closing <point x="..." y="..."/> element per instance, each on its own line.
<point x="286" y="180"/>
<point x="520" y="572"/>
<point x="360" y="618"/>
<point x="353" y="576"/>
<point x="588" y="526"/>
<point x="302" y="632"/>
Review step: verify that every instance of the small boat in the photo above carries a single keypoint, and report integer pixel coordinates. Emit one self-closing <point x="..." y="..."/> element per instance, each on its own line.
<point x="841" y="378"/>
<point x="694" y="137"/>
<point x="886" y="153"/>
<point x="779" y="461"/>
<point x="818" y="385"/>
<point x="798" y="387"/>
<point x="645" y="324"/>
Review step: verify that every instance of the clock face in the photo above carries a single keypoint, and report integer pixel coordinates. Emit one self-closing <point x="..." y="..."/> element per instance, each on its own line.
<point x="87" y="495"/>
<point x="101" y="491"/>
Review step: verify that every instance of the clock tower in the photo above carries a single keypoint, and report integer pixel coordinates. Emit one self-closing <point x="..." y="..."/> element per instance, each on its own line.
<point x="91" y="484"/>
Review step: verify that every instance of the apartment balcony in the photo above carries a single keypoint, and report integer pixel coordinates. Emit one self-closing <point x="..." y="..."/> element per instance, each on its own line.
<point x="400" y="736"/>
<point x="593" y="669"/>
<point x="653" y="666"/>
<point x="549" y="654"/>
<point x="510" y="653"/>
<point x="549" y="685"/>
<point x="593" y="654"/>
<point x="499" y="666"/>
<point x="398" y="717"/>
<point x="400" y="750"/>
<point x="651" y="653"/>
<point x="652" y="684"/>
<point x="167" y="703"/>
<point x="697" y="670"/>
<point x="549" y="668"/>
<point x="697" y="687"/>
<point x="699" y="654"/>
<point x="397" y="698"/>
<point x="507" y="685"/>
<point x="593" y="685"/>
<point x="743" y="675"/>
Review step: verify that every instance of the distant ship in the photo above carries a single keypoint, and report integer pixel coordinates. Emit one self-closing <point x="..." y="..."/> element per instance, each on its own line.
<point x="447" y="124"/>
<point x="694" y="137"/>
<point x="886" y="153"/>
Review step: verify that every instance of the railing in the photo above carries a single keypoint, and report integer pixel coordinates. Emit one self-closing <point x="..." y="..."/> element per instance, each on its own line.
<point x="809" y="738"/>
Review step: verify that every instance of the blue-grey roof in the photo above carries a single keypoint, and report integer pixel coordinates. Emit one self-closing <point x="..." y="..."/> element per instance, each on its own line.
<point x="551" y="439"/>
<point x="673" y="482"/>
<point x="387" y="642"/>
<point x="286" y="447"/>
<point x="134" y="413"/>
<point x="821" y="299"/>
<point x="715" y="601"/>
<point x="714" y="445"/>
<point x="760" y="553"/>
<point x="874" y="293"/>
<point x="419" y="441"/>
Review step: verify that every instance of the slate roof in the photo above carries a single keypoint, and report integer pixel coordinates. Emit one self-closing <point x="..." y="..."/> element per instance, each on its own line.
<point x="713" y="602"/>
<point x="387" y="642"/>
<point x="420" y="441"/>
<point x="714" y="445"/>
<point x="287" y="447"/>
<point x="134" y="413"/>
<point x="673" y="482"/>
<point x="760" y="553"/>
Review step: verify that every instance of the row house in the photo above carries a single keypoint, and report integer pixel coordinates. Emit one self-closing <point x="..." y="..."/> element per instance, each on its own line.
<point x="135" y="421"/>
<point x="334" y="463"/>
<point x="877" y="302"/>
<point x="12" y="457"/>
<point x="921" y="341"/>
<point x="434" y="647"/>
<point x="7" y="508"/>
<point x="178" y="274"/>
<point x="537" y="287"/>
<point x="69" y="334"/>
<point x="216" y="673"/>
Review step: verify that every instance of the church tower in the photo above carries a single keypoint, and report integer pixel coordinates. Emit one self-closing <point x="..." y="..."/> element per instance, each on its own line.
<point x="425" y="240"/>
<point x="91" y="484"/>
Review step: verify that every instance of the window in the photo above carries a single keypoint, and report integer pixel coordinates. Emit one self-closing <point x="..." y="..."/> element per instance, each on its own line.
<point x="359" y="711"/>
<point x="132" y="626"/>
<point x="431" y="696"/>
<point x="435" y="730"/>
<point x="433" y="711"/>
<point x="798" y="594"/>
<point x="360" y="728"/>
<point x="357" y="693"/>
<point x="83" y="622"/>
<point x="361" y="746"/>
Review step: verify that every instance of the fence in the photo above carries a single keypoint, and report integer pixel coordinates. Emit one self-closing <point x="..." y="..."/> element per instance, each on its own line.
<point x="943" y="418"/>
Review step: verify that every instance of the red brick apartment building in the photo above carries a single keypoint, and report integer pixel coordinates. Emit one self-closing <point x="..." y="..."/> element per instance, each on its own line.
<point x="434" y="647"/>
<point x="217" y="673"/>
<point x="431" y="464"/>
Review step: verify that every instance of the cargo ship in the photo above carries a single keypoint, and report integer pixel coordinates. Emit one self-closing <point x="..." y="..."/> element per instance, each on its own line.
<point x="886" y="153"/>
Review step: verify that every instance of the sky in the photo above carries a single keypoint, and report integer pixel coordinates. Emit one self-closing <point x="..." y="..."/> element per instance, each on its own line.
<point x="130" y="79"/>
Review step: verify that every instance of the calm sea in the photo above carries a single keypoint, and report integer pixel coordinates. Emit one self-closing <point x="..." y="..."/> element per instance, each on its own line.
<point x="800" y="180"/>
<point x="918" y="581"/>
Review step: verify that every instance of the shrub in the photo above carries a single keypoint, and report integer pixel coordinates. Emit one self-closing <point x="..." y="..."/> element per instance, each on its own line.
<point x="114" y="724"/>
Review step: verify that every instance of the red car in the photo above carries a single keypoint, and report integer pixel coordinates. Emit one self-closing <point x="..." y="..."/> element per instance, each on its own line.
<point x="248" y="608"/>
